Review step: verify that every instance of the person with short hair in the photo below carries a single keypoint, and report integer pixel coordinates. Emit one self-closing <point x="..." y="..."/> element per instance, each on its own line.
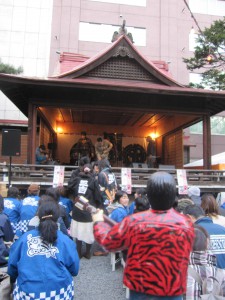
<point x="107" y="182"/>
<point x="84" y="146"/>
<point x="121" y="209"/>
<point x="43" y="261"/>
<point x="159" y="242"/>
<point x="182" y="203"/>
<point x="215" y="231"/>
<point x="12" y="207"/>
<point x="102" y="148"/>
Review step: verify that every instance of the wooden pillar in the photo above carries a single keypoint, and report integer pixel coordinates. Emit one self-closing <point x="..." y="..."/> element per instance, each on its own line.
<point x="32" y="129"/>
<point x="206" y="143"/>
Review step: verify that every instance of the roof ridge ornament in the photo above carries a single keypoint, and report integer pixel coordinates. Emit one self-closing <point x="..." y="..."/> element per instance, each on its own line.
<point x="123" y="52"/>
<point x="122" y="31"/>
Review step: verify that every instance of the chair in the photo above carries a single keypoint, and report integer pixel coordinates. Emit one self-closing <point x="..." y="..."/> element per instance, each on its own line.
<point x="115" y="260"/>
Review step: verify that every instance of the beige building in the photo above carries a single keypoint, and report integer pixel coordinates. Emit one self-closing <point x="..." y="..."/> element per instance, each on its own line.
<point x="35" y="33"/>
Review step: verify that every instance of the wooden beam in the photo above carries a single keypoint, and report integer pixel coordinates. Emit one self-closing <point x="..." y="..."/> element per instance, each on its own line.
<point x="207" y="143"/>
<point x="31" y="136"/>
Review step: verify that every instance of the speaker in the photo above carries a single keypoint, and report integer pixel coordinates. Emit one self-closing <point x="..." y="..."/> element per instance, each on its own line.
<point x="11" y="142"/>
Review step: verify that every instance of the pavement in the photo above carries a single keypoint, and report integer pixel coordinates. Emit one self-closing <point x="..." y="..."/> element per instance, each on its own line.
<point x="97" y="281"/>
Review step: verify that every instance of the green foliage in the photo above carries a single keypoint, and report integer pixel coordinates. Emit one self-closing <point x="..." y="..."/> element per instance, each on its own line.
<point x="9" y="69"/>
<point x="210" y="41"/>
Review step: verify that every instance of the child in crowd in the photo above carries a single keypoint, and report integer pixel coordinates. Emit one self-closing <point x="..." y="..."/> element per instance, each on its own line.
<point x="121" y="209"/>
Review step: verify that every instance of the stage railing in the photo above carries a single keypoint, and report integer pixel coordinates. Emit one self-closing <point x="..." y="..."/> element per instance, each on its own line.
<point x="23" y="174"/>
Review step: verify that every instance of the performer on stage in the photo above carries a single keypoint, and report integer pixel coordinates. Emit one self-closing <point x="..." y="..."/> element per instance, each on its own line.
<point x="151" y="152"/>
<point x="84" y="146"/>
<point x="102" y="148"/>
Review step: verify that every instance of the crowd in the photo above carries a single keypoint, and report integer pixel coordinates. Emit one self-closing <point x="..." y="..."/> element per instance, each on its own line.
<point x="165" y="239"/>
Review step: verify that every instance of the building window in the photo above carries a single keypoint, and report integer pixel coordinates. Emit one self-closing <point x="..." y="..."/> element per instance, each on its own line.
<point x="217" y="126"/>
<point x="96" y="32"/>
<point x="196" y="128"/>
<point x="208" y="7"/>
<point x="126" y="2"/>
<point x="186" y="154"/>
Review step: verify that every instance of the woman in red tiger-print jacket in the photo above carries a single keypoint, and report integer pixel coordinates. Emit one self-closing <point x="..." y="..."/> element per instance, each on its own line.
<point x="159" y="242"/>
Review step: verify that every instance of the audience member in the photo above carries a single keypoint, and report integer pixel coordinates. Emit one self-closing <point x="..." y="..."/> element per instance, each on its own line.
<point x="83" y="161"/>
<point x="215" y="231"/>
<point x="156" y="263"/>
<point x="55" y="194"/>
<point x="203" y="263"/>
<point x="82" y="226"/>
<point x="6" y="235"/>
<point x="5" y="225"/>
<point x="211" y="209"/>
<point x="141" y="204"/>
<point x="65" y="201"/>
<point x="34" y="222"/>
<point x="95" y="169"/>
<point x="140" y="192"/>
<point x="12" y="207"/>
<point x="121" y="209"/>
<point x="43" y="261"/>
<point x="29" y="207"/>
<point x="107" y="182"/>
<point x="194" y="193"/>
<point x="182" y="203"/>
<point x="220" y="199"/>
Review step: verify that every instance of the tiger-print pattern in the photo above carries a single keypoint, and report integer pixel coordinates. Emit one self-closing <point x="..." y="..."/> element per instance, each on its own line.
<point x="159" y="245"/>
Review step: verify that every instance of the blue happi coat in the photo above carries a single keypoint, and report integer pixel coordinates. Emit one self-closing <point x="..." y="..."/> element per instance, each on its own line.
<point x="41" y="270"/>
<point x="28" y="211"/>
<point x="12" y="208"/>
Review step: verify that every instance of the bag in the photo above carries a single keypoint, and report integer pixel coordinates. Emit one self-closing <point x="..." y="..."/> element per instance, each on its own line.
<point x="5" y="287"/>
<point x="212" y="287"/>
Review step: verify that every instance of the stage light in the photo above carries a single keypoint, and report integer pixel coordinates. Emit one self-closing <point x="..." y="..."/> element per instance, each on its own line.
<point x="59" y="129"/>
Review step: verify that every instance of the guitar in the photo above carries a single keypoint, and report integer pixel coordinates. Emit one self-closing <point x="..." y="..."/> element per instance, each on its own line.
<point x="83" y="204"/>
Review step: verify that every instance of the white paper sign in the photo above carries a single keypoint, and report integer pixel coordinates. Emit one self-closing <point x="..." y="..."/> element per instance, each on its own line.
<point x="126" y="180"/>
<point x="58" y="179"/>
<point x="182" y="182"/>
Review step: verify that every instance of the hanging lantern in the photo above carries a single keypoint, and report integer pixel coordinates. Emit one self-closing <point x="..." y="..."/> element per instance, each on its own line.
<point x="209" y="58"/>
